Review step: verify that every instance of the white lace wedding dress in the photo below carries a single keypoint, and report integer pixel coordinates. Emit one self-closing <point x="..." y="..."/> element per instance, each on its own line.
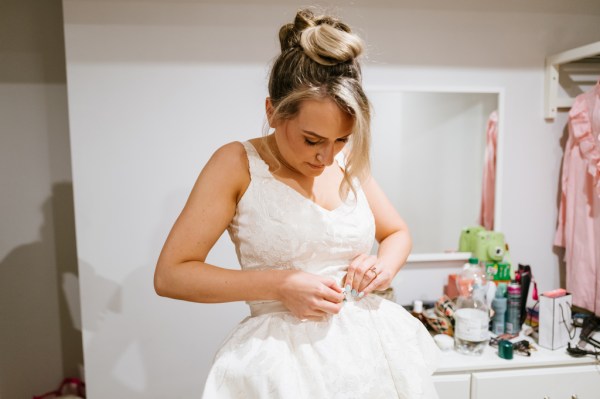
<point x="372" y="349"/>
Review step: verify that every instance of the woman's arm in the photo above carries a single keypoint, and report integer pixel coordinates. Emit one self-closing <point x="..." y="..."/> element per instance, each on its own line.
<point x="395" y="244"/>
<point x="182" y="273"/>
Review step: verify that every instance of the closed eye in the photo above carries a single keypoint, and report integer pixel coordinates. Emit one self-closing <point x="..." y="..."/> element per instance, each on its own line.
<point x="315" y="142"/>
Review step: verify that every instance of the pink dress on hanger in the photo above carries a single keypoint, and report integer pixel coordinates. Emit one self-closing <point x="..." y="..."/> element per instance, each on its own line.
<point x="579" y="214"/>
<point x="488" y="188"/>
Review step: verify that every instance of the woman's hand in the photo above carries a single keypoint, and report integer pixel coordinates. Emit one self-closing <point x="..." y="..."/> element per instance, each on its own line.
<point x="309" y="296"/>
<point x="366" y="274"/>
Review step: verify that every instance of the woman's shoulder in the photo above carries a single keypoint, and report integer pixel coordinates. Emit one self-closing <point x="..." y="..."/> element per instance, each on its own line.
<point x="231" y="156"/>
<point x="240" y="161"/>
<point x="232" y="150"/>
<point x="236" y="150"/>
<point x="230" y="162"/>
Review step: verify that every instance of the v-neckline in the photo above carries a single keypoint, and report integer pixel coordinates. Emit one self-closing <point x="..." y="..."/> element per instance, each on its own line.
<point x="316" y="205"/>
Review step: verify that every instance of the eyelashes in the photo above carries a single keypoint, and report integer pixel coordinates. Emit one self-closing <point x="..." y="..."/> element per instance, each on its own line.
<point x="313" y="143"/>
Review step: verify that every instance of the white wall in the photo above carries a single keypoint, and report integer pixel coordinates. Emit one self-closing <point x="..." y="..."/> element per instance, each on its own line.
<point x="40" y="338"/>
<point x="155" y="88"/>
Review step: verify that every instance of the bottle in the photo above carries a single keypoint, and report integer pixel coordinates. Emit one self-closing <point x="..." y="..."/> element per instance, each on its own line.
<point x="513" y="312"/>
<point x="471" y="316"/>
<point x="417" y="311"/>
<point x="499" y="305"/>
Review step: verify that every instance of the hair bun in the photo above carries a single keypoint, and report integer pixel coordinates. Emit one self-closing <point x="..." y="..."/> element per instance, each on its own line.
<point x="324" y="39"/>
<point x="328" y="45"/>
<point x="288" y="37"/>
<point x="289" y="34"/>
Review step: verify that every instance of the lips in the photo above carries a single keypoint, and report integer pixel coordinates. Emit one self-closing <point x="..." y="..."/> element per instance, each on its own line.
<point x="316" y="166"/>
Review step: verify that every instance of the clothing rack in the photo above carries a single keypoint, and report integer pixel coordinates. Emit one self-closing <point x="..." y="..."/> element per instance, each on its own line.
<point x="588" y="54"/>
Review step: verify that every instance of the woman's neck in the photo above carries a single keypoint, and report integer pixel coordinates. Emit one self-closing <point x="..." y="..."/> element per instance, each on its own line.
<point x="273" y="149"/>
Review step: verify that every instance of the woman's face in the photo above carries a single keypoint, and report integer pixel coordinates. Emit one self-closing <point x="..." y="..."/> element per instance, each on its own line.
<point x="310" y="141"/>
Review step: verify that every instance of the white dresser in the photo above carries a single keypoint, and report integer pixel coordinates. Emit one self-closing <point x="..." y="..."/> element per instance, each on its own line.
<point x="545" y="375"/>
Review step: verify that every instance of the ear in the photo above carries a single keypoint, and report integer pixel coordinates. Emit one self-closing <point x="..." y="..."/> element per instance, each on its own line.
<point x="270" y="110"/>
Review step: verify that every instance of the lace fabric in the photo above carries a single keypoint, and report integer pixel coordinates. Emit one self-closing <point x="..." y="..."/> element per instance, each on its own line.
<point x="372" y="349"/>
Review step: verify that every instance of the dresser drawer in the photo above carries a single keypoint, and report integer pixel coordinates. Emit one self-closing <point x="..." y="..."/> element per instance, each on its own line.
<point x="453" y="386"/>
<point x="580" y="382"/>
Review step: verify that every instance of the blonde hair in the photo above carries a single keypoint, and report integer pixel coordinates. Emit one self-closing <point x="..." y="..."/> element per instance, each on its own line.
<point x="319" y="60"/>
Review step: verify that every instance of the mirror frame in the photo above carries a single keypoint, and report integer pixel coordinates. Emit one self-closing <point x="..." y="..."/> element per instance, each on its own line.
<point x="499" y="91"/>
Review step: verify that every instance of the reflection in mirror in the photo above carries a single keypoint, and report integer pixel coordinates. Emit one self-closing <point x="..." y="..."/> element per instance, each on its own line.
<point x="429" y="157"/>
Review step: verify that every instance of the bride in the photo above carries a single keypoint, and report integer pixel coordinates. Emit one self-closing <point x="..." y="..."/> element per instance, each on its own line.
<point x="303" y="212"/>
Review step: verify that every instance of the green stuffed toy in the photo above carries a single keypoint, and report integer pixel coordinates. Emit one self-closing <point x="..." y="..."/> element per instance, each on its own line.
<point x="486" y="246"/>
<point x="468" y="237"/>
<point x="489" y="248"/>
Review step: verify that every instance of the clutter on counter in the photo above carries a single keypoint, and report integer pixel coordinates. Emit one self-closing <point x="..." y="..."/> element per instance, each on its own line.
<point x="494" y="304"/>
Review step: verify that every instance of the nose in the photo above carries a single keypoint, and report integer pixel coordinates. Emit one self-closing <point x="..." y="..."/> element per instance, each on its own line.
<point x="327" y="155"/>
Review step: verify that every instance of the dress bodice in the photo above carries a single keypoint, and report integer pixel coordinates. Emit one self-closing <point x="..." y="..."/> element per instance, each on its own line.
<point x="276" y="227"/>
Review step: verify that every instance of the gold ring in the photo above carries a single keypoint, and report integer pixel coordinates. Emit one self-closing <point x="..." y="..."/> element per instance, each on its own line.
<point x="372" y="268"/>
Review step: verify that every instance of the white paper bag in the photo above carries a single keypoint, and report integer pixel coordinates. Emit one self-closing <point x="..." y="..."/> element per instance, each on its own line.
<point x="555" y="321"/>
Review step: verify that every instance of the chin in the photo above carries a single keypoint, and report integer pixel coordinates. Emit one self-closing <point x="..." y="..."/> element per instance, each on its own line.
<point x="314" y="173"/>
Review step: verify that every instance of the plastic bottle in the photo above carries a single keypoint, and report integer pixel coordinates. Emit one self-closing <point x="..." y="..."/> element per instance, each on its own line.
<point x="499" y="305"/>
<point x="472" y="319"/>
<point x="513" y="312"/>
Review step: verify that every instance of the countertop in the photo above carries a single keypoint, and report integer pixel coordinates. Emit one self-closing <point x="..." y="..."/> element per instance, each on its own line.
<point x="454" y="362"/>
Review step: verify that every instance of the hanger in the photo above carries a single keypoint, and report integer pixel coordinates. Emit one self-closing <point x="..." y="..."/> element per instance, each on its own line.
<point x="588" y="55"/>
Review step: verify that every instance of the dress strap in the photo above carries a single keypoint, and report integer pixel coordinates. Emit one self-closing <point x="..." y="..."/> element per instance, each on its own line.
<point x="258" y="167"/>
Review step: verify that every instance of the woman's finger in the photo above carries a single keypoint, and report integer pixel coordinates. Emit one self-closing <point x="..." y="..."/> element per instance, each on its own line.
<point x="331" y="283"/>
<point x="331" y="295"/>
<point x="313" y="315"/>
<point x="352" y="270"/>
<point x="361" y="277"/>
<point x="382" y="281"/>
<point x="373" y="285"/>
<point x="370" y="275"/>
<point x="330" y="307"/>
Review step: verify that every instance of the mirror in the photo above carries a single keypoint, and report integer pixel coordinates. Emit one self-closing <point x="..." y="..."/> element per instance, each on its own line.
<point x="428" y="155"/>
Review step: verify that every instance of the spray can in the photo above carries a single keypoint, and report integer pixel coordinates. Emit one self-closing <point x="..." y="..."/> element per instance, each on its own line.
<point x="499" y="305"/>
<point x="513" y="312"/>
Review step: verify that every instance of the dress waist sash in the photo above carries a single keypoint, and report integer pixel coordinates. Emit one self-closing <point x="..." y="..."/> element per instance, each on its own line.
<point x="261" y="308"/>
